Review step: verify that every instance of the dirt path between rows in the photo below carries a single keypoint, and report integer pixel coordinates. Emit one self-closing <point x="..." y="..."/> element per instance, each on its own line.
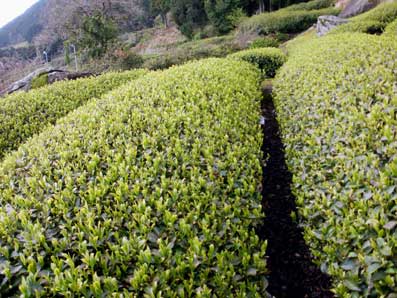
<point x="292" y="273"/>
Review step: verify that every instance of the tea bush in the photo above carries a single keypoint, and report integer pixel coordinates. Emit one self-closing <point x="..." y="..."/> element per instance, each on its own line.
<point x="151" y="191"/>
<point x="197" y="49"/>
<point x="268" y="60"/>
<point x="281" y="37"/>
<point x="311" y="5"/>
<point x="264" y="42"/>
<point x="370" y="27"/>
<point x="372" y="22"/>
<point x="284" y="21"/>
<point x="39" y="81"/>
<point x="24" y="114"/>
<point x="391" y="29"/>
<point x="336" y="103"/>
<point x="131" y="61"/>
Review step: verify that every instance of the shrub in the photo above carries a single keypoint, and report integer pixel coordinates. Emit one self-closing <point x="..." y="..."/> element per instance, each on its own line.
<point x="96" y="33"/>
<point x="281" y="37"/>
<point x="236" y="17"/>
<point x="25" y="114"/>
<point x="223" y="15"/>
<point x="373" y="21"/>
<point x="181" y="53"/>
<point x="145" y="192"/>
<point x="311" y="5"/>
<point x="39" y="81"/>
<point x="132" y="60"/>
<point x="335" y="100"/>
<point x="284" y="21"/>
<point x="264" y="42"/>
<point x="370" y="27"/>
<point x="268" y="60"/>
<point x="391" y="29"/>
<point x="163" y="61"/>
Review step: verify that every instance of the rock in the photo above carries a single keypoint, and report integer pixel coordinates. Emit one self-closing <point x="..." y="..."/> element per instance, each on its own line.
<point x="341" y="4"/>
<point x="57" y="76"/>
<point x="326" y="23"/>
<point x="65" y="75"/>
<point x="54" y="75"/>
<point x="355" y="7"/>
<point x="25" y="83"/>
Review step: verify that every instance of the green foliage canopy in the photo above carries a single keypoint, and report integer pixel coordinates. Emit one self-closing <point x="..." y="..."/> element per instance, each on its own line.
<point x="25" y="114"/>
<point x="336" y="104"/>
<point x="219" y="12"/>
<point x="188" y="15"/>
<point x="268" y="60"/>
<point x="97" y="32"/>
<point x="146" y="191"/>
<point x="294" y="19"/>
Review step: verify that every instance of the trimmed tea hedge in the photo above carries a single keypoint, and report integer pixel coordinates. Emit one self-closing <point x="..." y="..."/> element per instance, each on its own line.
<point x="264" y="42"/>
<point x="180" y="53"/>
<point x="336" y="103"/>
<point x="372" y="22"/>
<point x="311" y="5"/>
<point x="284" y="20"/>
<point x="369" y="26"/>
<point x="39" y="81"/>
<point x="268" y="60"/>
<point x="24" y="114"/>
<point x="391" y="29"/>
<point x="152" y="191"/>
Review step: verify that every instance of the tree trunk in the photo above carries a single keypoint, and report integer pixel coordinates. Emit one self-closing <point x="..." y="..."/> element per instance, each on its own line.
<point x="261" y="6"/>
<point x="164" y="19"/>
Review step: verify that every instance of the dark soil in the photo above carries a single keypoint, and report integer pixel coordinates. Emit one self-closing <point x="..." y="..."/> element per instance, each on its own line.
<point x="292" y="273"/>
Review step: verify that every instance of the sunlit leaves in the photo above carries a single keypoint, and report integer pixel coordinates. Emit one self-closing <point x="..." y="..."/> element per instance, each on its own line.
<point x="391" y="29"/>
<point x="268" y="60"/>
<point x="336" y="102"/>
<point x="292" y="19"/>
<point x="151" y="191"/>
<point x="24" y="114"/>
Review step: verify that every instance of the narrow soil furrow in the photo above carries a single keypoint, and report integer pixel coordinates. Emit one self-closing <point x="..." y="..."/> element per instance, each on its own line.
<point x="292" y="273"/>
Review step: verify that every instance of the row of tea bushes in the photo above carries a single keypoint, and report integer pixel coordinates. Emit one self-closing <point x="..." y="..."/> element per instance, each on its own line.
<point x="24" y="114"/>
<point x="268" y="60"/>
<point x="151" y="191"/>
<point x="311" y="5"/>
<point x="336" y="103"/>
<point x="180" y="53"/>
<point x="373" y="22"/>
<point x="292" y="19"/>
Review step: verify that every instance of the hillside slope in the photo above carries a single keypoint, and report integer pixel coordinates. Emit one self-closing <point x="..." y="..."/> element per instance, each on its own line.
<point x="46" y="21"/>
